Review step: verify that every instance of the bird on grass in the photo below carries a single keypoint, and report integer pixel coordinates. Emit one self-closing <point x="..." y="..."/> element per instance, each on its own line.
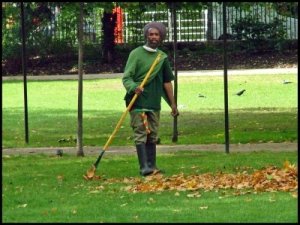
<point x="71" y="139"/>
<point x="59" y="152"/>
<point x="287" y="82"/>
<point x="62" y="140"/>
<point x="241" y="92"/>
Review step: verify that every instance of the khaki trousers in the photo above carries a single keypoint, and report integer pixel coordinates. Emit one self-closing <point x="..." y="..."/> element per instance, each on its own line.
<point x="139" y="126"/>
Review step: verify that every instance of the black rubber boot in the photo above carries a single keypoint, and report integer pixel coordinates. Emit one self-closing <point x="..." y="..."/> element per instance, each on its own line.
<point x="151" y="156"/>
<point x="142" y="155"/>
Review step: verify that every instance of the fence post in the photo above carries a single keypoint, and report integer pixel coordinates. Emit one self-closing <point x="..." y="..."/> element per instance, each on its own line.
<point x="225" y="78"/>
<point x="175" y="130"/>
<point x="24" y="68"/>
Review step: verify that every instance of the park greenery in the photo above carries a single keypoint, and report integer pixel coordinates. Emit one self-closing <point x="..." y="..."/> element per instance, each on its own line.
<point x="63" y="43"/>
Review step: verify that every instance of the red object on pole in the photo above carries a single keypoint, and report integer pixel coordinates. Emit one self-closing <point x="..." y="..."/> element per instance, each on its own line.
<point x="119" y="25"/>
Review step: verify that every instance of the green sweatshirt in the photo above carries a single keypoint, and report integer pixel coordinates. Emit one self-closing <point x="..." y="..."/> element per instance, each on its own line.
<point x="137" y="66"/>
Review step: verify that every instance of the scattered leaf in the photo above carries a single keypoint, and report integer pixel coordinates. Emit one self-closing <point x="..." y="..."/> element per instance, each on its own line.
<point x="176" y="210"/>
<point x="94" y="192"/>
<point x="60" y="177"/>
<point x="194" y="195"/>
<point x="22" y="206"/>
<point x="54" y="210"/>
<point x="295" y="195"/>
<point x="272" y="200"/>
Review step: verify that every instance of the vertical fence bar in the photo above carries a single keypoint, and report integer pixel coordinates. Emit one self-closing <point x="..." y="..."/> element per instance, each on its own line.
<point x="24" y="68"/>
<point x="126" y="27"/>
<point x="225" y="79"/>
<point x="210" y="23"/>
<point x="175" y="130"/>
<point x="80" y="82"/>
<point x="204" y="24"/>
<point x="170" y="38"/>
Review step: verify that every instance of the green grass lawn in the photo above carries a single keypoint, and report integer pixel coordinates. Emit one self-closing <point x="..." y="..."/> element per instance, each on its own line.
<point x="47" y="188"/>
<point x="43" y="188"/>
<point x="267" y="111"/>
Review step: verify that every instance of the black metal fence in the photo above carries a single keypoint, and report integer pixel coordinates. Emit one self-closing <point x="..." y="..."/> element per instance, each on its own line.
<point x="192" y="25"/>
<point x="265" y="15"/>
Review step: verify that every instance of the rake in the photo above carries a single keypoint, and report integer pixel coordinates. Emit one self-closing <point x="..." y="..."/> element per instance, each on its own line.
<point x="91" y="172"/>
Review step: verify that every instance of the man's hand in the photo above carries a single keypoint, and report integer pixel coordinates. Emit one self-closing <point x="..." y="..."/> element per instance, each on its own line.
<point x="174" y="111"/>
<point x="138" y="90"/>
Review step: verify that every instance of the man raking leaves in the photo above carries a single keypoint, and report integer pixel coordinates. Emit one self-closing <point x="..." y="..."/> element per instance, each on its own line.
<point x="90" y="174"/>
<point x="143" y="97"/>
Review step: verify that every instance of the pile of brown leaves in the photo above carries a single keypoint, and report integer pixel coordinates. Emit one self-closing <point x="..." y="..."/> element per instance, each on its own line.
<point x="267" y="179"/>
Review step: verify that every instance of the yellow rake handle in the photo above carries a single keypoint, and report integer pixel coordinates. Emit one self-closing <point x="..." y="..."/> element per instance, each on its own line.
<point x="131" y="103"/>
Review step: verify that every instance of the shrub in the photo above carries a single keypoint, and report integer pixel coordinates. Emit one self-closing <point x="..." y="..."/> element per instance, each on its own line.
<point x="260" y="35"/>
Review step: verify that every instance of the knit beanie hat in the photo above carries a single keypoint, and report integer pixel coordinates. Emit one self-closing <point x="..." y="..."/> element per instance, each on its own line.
<point x="159" y="26"/>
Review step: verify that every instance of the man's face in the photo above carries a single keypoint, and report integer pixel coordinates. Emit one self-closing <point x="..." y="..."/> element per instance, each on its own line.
<point x="153" y="38"/>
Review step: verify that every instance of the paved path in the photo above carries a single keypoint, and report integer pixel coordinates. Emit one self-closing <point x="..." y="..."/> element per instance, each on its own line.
<point x="271" y="71"/>
<point x="285" y="146"/>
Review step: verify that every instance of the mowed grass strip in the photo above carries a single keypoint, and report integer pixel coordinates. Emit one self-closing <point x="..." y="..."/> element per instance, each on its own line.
<point x="266" y="111"/>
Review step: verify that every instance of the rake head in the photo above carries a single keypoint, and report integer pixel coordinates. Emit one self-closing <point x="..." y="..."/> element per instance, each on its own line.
<point x="90" y="174"/>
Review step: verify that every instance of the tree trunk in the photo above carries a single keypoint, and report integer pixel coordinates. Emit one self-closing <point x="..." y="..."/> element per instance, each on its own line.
<point x="80" y="74"/>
